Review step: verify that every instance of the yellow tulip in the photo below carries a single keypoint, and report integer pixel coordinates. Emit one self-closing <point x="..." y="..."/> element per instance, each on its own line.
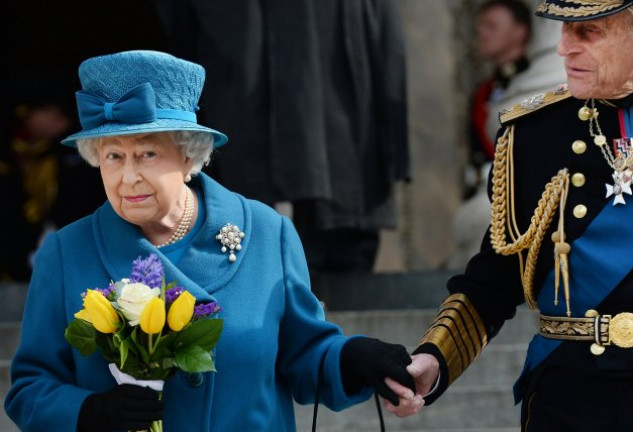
<point x="153" y="316"/>
<point x="181" y="311"/>
<point x="84" y="315"/>
<point x="100" y="313"/>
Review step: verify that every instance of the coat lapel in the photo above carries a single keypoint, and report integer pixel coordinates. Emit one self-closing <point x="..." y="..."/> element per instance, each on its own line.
<point x="204" y="269"/>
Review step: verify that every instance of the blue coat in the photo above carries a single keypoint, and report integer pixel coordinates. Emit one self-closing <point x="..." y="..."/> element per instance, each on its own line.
<point x="274" y="330"/>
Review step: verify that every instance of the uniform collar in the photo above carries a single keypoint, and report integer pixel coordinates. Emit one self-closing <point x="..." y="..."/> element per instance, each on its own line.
<point x="625" y="102"/>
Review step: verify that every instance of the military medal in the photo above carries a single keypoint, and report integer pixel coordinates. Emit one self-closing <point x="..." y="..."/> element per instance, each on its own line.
<point x="621" y="185"/>
<point x="621" y="163"/>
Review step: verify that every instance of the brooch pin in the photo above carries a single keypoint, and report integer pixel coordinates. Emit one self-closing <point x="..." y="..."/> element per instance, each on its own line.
<point x="230" y="237"/>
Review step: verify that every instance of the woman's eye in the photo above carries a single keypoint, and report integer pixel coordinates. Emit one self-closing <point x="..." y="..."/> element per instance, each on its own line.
<point x="113" y="156"/>
<point x="149" y="154"/>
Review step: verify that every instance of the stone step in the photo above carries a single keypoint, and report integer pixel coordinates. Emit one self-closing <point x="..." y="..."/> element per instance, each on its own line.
<point x="411" y="290"/>
<point x="406" y="326"/>
<point x="9" y="339"/>
<point x="6" y="425"/>
<point x="467" y="409"/>
<point x="13" y="296"/>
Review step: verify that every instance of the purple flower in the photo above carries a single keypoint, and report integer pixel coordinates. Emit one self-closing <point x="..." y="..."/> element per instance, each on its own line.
<point x="172" y="294"/>
<point x="205" y="309"/>
<point x="109" y="292"/>
<point x="148" y="271"/>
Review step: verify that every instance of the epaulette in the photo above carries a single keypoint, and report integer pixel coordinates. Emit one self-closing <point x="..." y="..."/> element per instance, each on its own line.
<point x="534" y="103"/>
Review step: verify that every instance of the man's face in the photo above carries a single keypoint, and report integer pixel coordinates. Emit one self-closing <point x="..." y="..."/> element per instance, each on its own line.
<point x="597" y="56"/>
<point x="498" y="33"/>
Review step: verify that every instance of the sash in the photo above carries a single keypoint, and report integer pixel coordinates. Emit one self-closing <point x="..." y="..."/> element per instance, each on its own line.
<point x="598" y="262"/>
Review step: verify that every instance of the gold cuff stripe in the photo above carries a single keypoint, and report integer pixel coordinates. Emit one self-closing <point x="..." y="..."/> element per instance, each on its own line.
<point x="445" y="342"/>
<point x="461" y="303"/>
<point x="458" y="333"/>
<point x="458" y="339"/>
<point x="454" y="321"/>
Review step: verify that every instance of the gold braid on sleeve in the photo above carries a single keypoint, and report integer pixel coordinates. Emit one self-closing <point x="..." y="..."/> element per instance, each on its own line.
<point x="458" y="333"/>
<point x="504" y="225"/>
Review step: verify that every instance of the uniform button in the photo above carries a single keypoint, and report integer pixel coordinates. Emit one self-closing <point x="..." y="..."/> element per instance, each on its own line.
<point x="580" y="211"/>
<point x="578" y="179"/>
<point x="579" y="146"/>
<point x="195" y="379"/>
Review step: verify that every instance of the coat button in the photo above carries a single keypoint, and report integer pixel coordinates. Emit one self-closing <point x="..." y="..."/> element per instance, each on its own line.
<point x="578" y="179"/>
<point x="195" y="379"/>
<point x="579" y="146"/>
<point x="580" y="211"/>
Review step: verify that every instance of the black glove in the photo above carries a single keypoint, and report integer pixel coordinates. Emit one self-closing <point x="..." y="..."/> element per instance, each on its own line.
<point x="126" y="406"/>
<point x="367" y="362"/>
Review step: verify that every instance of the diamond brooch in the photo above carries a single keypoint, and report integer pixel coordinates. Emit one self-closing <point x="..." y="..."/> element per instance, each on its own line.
<point x="230" y="237"/>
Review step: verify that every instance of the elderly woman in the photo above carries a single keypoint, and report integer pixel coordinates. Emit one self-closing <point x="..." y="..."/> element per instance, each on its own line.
<point x="137" y="111"/>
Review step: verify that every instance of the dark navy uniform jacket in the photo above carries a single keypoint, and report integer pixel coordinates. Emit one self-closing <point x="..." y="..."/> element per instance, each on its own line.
<point x="544" y="137"/>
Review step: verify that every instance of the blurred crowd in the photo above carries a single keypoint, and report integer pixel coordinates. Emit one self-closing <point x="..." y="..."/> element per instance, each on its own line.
<point x="313" y="99"/>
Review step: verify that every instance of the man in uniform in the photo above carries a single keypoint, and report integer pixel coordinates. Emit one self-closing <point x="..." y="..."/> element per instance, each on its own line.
<point x="560" y="239"/>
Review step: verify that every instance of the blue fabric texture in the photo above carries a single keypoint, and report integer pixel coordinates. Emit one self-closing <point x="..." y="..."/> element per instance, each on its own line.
<point x="139" y="92"/>
<point x="274" y="331"/>
<point x="598" y="262"/>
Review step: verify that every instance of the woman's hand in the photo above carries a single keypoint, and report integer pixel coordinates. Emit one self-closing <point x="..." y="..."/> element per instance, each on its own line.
<point x="126" y="406"/>
<point x="366" y="362"/>
<point x="425" y="370"/>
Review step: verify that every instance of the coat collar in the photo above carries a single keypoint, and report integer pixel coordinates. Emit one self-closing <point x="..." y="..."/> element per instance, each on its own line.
<point x="203" y="269"/>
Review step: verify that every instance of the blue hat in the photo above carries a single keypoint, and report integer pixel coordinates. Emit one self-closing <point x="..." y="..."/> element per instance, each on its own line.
<point x="580" y="10"/>
<point x="139" y="92"/>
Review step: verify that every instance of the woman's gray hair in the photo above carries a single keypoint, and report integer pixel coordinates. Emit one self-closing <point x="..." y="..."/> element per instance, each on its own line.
<point x="197" y="146"/>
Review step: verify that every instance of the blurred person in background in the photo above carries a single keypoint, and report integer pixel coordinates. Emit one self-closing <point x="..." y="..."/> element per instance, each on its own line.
<point x="315" y="94"/>
<point x="503" y="33"/>
<point x="545" y="71"/>
<point x="38" y="178"/>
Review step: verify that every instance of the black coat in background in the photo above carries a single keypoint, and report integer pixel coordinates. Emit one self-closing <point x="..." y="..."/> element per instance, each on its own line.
<point x="311" y="95"/>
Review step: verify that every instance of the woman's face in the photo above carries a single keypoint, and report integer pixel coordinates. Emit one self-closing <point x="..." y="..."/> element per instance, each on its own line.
<point x="143" y="177"/>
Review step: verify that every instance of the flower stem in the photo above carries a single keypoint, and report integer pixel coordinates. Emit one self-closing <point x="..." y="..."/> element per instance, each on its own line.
<point x="150" y="342"/>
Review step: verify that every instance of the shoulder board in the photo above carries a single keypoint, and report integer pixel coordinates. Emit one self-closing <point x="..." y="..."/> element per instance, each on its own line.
<point x="534" y="103"/>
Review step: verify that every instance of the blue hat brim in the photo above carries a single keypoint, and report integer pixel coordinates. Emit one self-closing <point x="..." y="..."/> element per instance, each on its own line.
<point x="159" y="125"/>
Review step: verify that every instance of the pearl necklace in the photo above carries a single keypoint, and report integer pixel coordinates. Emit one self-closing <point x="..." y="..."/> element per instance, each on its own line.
<point x="185" y="221"/>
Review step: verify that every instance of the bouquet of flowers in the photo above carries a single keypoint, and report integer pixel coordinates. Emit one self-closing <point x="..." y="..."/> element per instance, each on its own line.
<point x="145" y="328"/>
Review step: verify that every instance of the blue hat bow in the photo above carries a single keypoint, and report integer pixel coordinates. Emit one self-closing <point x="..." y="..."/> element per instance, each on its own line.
<point x="133" y="92"/>
<point x="138" y="105"/>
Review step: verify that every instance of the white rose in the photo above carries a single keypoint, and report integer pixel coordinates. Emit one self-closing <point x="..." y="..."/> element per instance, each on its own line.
<point x="133" y="299"/>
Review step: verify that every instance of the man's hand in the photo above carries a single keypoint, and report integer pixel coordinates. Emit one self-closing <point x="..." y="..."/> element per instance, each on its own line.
<point x="424" y="369"/>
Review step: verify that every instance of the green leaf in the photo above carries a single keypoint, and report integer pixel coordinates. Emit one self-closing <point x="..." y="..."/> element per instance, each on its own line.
<point x="124" y="347"/>
<point x="81" y="335"/>
<point x="168" y="362"/>
<point x="108" y="350"/>
<point x="204" y="334"/>
<point x="139" y="346"/>
<point x="194" y="359"/>
<point x="163" y="347"/>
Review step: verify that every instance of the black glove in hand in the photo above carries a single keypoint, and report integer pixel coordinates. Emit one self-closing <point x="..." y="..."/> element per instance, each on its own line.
<point x="366" y="362"/>
<point x="126" y="406"/>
